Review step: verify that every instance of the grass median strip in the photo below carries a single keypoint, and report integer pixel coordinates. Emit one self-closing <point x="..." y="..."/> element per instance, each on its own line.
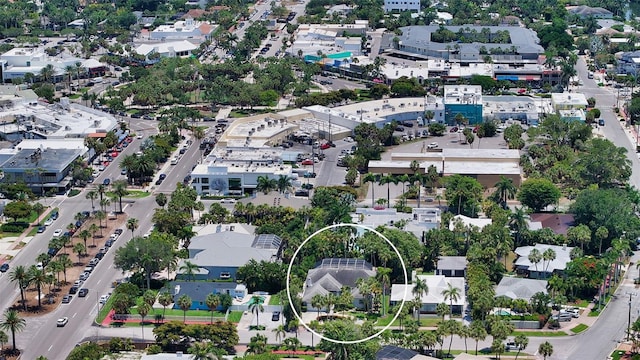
<point x="580" y="328"/>
<point x="540" y="333"/>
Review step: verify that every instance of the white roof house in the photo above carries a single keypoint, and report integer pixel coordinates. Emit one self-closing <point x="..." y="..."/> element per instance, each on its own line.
<point x="563" y="256"/>
<point x="168" y="49"/>
<point x="436" y="284"/>
<point x="520" y="288"/>
<point x="468" y="222"/>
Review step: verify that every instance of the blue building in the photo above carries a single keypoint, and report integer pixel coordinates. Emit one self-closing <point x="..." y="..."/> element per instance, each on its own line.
<point x="219" y="250"/>
<point x="198" y="291"/>
<point x="465" y="100"/>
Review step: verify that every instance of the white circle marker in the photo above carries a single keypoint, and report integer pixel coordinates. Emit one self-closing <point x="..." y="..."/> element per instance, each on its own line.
<point x="404" y="270"/>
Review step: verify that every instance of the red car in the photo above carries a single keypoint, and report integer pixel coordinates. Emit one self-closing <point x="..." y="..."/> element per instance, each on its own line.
<point x="454" y="129"/>
<point x="325" y="146"/>
<point x="307" y="162"/>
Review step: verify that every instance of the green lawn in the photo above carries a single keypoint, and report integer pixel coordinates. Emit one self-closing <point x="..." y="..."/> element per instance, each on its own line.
<point x="540" y="333"/>
<point x="274" y="300"/>
<point x="424" y="321"/>
<point x="104" y="311"/>
<point x="234" y="316"/>
<point x="580" y="328"/>
<point x="137" y="194"/>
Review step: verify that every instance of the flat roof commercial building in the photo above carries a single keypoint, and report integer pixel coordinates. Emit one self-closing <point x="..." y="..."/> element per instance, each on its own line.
<point x="485" y="165"/>
<point x="187" y="29"/>
<point x="17" y="62"/>
<point x="464" y="100"/>
<point x="517" y="44"/>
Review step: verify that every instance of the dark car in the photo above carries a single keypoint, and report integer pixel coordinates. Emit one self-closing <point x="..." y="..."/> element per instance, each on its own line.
<point x="399" y="128"/>
<point x="159" y="182"/>
<point x="73" y="290"/>
<point x="275" y="316"/>
<point x="54" y="215"/>
<point x="106" y="181"/>
<point x="52" y="252"/>
<point x="454" y="129"/>
<point x="118" y="231"/>
<point x="309" y="175"/>
<point x="301" y="193"/>
<point x="163" y="176"/>
<point x="83" y="292"/>
<point x="109" y="243"/>
<point x="41" y="229"/>
<point x="99" y="255"/>
<point x="4" y="267"/>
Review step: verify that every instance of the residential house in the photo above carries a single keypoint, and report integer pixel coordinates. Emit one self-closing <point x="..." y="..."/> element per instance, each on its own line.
<point x="570" y="106"/>
<point x="168" y="356"/>
<point x="520" y="288"/>
<point x="199" y="290"/>
<point x="401" y="5"/>
<point x="545" y="268"/>
<point x="468" y="222"/>
<point x="219" y="250"/>
<point x="184" y="29"/>
<point x="391" y="352"/>
<point x="332" y="274"/>
<point x="629" y="63"/>
<point x="584" y="12"/>
<point x="169" y="49"/>
<point x="452" y="266"/>
<point x="436" y="285"/>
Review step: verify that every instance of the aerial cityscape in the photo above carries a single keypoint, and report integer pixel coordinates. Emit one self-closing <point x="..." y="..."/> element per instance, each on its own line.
<point x="319" y="179"/>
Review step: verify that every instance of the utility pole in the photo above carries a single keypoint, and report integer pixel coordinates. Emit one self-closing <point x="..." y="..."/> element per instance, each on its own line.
<point x="629" y="320"/>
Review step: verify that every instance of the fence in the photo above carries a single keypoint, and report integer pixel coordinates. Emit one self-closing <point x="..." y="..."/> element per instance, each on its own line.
<point x="132" y="318"/>
<point x="523" y="324"/>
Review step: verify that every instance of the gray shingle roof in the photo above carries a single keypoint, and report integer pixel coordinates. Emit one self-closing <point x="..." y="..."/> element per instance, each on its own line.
<point x="452" y="263"/>
<point x="520" y="288"/>
<point x="332" y="274"/>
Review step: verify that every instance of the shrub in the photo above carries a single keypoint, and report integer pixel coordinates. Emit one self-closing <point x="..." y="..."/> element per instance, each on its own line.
<point x="15" y="227"/>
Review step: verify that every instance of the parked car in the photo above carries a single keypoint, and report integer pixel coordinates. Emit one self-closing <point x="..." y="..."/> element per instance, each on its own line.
<point x="511" y="346"/>
<point x="62" y="322"/>
<point x="57" y="233"/>
<point x="83" y="292"/>
<point x="163" y="176"/>
<point x="307" y="162"/>
<point x="454" y="129"/>
<point x="275" y="316"/>
<point x="325" y="146"/>
<point x="103" y="299"/>
<point x="106" y="182"/>
<point x="228" y="201"/>
<point x="433" y="145"/>
<point x="73" y="289"/>
<point x="41" y="229"/>
<point x="4" y="267"/>
<point x="301" y="193"/>
<point x="48" y="222"/>
<point x="67" y="299"/>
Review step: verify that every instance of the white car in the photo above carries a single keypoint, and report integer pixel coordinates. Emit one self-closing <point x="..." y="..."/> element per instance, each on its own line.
<point x="139" y="136"/>
<point x="57" y="233"/>
<point x="103" y="299"/>
<point x="48" y="222"/>
<point x="39" y="266"/>
<point x="433" y="145"/>
<point x="228" y="201"/>
<point x="62" y="322"/>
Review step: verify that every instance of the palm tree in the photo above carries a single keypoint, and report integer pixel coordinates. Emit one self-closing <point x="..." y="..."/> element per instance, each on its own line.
<point x="284" y="183"/>
<point x="14" y="323"/>
<point x="545" y="349"/>
<point x="100" y="215"/>
<point x="371" y="178"/>
<point x="79" y="69"/>
<point x="184" y="302"/>
<point x="317" y="301"/>
<point x="518" y="223"/>
<point x="383" y="274"/>
<point x="69" y="70"/>
<point x="265" y="184"/>
<point x="38" y="278"/>
<point x="84" y="235"/>
<point x="132" y="224"/>
<point x="202" y="351"/>
<point x="66" y="263"/>
<point x="280" y="333"/>
<point x="388" y="180"/>
<point x="452" y="294"/>
<point x="535" y="257"/>
<point x="420" y="288"/>
<point x="104" y="203"/>
<point x="93" y="229"/>
<point x="143" y="311"/>
<point x="212" y="301"/>
<point x="548" y="256"/>
<point x="20" y="276"/>
<point x="78" y="248"/>
<point x="477" y="332"/>
<point x="47" y="73"/>
<point x="189" y="269"/>
<point x="521" y="342"/>
<point x="120" y="190"/>
<point x="165" y="299"/>
<point x="92" y="195"/>
<point x="256" y="307"/>
<point x="292" y="344"/>
<point x="505" y="190"/>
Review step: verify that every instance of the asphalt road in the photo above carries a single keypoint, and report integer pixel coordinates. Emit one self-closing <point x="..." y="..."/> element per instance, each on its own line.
<point x="56" y="343"/>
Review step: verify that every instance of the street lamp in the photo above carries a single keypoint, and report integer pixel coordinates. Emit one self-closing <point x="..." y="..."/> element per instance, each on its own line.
<point x="629" y="320"/>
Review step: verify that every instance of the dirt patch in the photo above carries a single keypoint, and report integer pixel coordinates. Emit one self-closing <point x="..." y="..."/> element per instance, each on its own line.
<point x="52" y="294"/>
<point x="9" y="354"/>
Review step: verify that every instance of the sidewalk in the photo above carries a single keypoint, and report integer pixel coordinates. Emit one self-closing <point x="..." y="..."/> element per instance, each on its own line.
<point x="10" y="245"/>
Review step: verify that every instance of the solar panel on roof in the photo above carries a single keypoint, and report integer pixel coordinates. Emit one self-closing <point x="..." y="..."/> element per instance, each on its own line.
<point x="342" y="263"/>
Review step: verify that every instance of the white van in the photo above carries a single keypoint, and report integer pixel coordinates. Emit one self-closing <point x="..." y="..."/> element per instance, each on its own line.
<point x="97" y="80"/>
<point x="174" y="160"/>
